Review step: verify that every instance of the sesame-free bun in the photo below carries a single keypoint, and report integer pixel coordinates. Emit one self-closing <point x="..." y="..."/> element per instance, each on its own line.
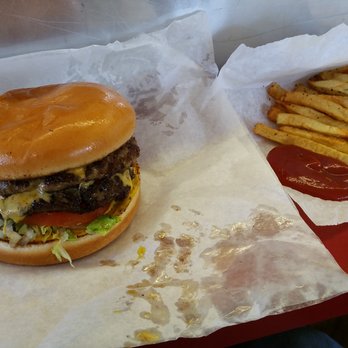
<point x="44" y="130"/>
<point x="41" y="254"/>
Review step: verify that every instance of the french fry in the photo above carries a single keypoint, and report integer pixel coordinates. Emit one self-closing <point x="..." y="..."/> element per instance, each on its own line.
<point x="313" y="114"/>
<point x="342" y="69"/>
<point x="321" y="103"/>
<point x="291" y="139"/>
<point x="275" y="91"/>
<point x="339" y="99"/>
<point x="300" y="121"/>
<point x="317" y="102"/>
<point x="333" y="75"/>
<point x="335" y="87"/>
<point x="273" y="134"/>
<point x="302" y="88"/>
<point x="327" y="74"/>
<point x="273" y="112"/>
<point x="335" y="143"/>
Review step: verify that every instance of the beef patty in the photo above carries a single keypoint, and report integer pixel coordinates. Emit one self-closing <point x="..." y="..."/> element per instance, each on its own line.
<point x="83" y="189"/>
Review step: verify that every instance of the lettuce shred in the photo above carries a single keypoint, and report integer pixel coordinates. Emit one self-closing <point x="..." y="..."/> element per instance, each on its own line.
<point x="102" y="224"/>
<point x="19" y="234"/>
<point x="58" y="249"/>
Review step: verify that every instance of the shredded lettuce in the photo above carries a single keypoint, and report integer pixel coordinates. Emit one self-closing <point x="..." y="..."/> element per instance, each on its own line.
<point x="102" y="224"/>
<point x="19" y="234"/>
<point x="58" y="250"/>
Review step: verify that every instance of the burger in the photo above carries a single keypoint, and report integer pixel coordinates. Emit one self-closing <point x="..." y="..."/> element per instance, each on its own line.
<point x="69" y="178"/>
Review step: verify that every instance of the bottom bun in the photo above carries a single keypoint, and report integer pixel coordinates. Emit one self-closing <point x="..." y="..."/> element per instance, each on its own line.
<point x="41" y="254"/>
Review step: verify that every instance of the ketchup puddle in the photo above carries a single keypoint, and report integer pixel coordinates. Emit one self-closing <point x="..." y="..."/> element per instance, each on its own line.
<point x="310" y="173"/>
<point x="321" y="177"/>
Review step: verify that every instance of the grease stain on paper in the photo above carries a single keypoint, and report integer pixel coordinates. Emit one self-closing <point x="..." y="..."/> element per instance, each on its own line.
<point x="145" y="336"/>
<point x="159" y="312"/>
<point x="138" y="237"/>
<point x="176" y="207"/>
<point x="235" y="258"/>
<point x="232" y="259"/>
<point x="108" y="262"/>
<point x="172" y="253"/>
<point x="183" y="259"/>
<point x="151" y="335"/>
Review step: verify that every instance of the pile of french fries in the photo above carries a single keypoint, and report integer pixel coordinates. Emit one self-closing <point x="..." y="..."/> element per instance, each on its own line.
<point x="313" y="116"/>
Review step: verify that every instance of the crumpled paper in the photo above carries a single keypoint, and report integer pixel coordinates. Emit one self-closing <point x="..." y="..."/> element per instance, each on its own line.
<point x="249" y="70"/>
<point x="334" y="212"/>
<point x="216" y="240"/>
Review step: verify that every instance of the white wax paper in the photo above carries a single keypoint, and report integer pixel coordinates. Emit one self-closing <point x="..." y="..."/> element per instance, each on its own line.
<point x="249" y="70"/>
<point x="216" y="240"/>
<point x="322" y="212"/>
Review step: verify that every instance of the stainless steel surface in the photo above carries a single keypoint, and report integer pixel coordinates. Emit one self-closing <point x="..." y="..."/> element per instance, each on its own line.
<point x="33" y="25"/>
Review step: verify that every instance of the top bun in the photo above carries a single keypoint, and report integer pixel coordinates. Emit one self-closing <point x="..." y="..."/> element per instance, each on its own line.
<point x="44" y="130"/>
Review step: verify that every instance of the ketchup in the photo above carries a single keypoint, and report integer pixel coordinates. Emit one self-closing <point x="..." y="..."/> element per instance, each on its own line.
<point x="305" y="171"/>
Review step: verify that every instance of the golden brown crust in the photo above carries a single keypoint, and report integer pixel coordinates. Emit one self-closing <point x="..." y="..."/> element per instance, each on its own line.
<point x="41" y="254"/>
<point x="48" y="129"/>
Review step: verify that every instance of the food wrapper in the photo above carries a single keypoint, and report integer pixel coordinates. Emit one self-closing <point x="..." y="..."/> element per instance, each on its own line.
<point x="216" y="240"/>
<point x="250" y="70"/>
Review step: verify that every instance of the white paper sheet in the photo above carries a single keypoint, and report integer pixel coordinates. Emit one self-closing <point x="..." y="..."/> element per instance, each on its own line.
<point x="216" y="240"/>
<point x="250" y="70"/>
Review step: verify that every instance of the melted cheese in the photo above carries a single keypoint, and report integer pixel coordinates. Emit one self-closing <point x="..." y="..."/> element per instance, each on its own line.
<point x="126" y="178"/>
<point x="79" y="172"/>
<point x="15" y="206"/>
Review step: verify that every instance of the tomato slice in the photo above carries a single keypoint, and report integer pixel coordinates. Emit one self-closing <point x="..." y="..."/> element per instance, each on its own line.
<point x="64" y="219"/>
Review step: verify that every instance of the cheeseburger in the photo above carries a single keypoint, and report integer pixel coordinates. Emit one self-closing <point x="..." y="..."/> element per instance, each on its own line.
<point x="69" y="178"/>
